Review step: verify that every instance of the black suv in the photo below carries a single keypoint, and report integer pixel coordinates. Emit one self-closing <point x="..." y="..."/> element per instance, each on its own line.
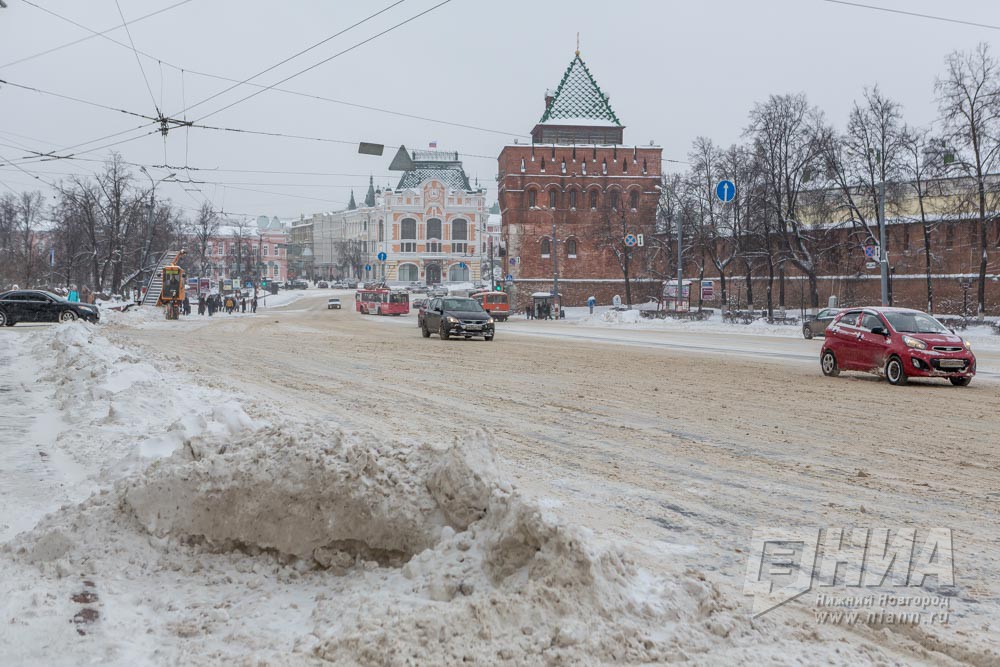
<point x="456" y="316"/>
<point x="39" y="306"/>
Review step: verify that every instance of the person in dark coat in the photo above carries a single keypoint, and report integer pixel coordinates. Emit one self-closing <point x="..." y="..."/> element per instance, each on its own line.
<point x="201" y="305"/>
<point x="243" y="305"/>
<point x="253" y="305"/>
<point x="187" y="305"/>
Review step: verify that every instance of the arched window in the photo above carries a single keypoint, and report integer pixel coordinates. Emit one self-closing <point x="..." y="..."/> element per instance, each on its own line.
<point x="572" y="199"/>
<point x="583" y="167"/>
<point x="381" y="231"/>
<point x="459" y="236"/>
<point x="531" y="198"/>
<point x="553" y="198"/>
<point x="613" y="200"/>
<point x="571" y="248"/>
<point x="634" y="200"/>
<point x="546" y="247"/>
<point x="522" y="165"/>
<point x="593" y="200"/>
<point x="408" y="272"/>
<point x="543" y="165"/>
<point x="433" y="235"/>
<point x="408" y="235"/>
<point x="458" y="274"/>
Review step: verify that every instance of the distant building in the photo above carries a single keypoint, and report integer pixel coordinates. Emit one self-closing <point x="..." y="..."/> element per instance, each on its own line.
<point x="242" y="251"/>
<point x="578" y="178"/>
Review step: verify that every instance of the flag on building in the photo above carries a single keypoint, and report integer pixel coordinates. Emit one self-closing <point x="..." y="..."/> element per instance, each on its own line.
<point x="434" y="144"/>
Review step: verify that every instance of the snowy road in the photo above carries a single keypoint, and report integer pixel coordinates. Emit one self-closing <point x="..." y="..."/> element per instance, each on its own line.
<point x="680" y="454"/>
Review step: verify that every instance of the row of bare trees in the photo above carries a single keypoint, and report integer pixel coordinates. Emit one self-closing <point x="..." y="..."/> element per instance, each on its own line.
<point x="808" y="193"/>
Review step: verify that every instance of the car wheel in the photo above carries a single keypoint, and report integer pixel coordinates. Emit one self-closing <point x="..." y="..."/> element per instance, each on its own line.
<point x="4" y="322"/>
<point x="67" y="316"/>
<point x="894" y="372"/>
<point x="807" y="332"/>
<point x="488" y="338"/>
<point x="829" y="364"/>
<point x="960" y="382"/>
<point x="443" y="332"/>
<point x="424" y="331"/>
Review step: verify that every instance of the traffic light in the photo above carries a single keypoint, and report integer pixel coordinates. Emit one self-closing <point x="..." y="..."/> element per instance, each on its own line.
<point x="263" y="283"/>
<point x="498" y="288"/>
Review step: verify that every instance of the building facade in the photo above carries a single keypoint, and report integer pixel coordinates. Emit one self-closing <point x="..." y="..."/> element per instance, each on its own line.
<point x="571" y="198"/>
<point x="243" y="252"/>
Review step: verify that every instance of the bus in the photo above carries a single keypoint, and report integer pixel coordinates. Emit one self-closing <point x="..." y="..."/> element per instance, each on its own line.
<point x="381" y="301"/>
<point x="496" y="304"/>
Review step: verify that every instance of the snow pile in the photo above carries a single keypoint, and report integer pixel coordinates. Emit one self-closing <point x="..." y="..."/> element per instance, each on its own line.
<point x="120" y="411"/>
<point x="632" y="319"/>
<point x="302" y="542"/>
<point x="620" y="317"/>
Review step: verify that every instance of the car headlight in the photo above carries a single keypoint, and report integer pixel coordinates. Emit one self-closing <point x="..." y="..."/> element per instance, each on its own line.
<point x="489" y="321"/>
<point x="968" y="345"/>
<point x="915" y="343"/>
<point x="451" y="320"/>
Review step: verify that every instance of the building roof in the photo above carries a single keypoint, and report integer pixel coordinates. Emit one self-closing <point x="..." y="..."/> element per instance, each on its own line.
<point x="578" y="100"/>
<point x="440" y="165"/>
<point x="351" y="205"/>
<point x="370" y="196"/>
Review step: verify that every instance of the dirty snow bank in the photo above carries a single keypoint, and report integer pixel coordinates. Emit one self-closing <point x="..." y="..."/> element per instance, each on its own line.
<point x="303" y="543"/>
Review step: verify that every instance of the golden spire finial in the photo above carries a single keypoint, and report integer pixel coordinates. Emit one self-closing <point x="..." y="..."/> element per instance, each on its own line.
<point x="577" y="43"/>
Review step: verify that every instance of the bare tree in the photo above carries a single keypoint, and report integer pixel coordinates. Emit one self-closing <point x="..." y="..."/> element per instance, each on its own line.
<point x="204" y="228"/>
<point x="27" y="215"/>
<point x="787" y="138"/>
<point x="969" y="100"/>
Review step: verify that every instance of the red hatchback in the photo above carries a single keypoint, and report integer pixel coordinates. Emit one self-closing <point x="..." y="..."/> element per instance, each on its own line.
<point x="897" y="342"/>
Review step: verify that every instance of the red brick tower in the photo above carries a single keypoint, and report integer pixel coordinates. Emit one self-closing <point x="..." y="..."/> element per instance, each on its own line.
<point x="578" y="175"/>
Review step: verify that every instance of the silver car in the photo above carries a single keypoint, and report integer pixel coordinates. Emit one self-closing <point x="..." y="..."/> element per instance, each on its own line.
<point x="817" y="325"/>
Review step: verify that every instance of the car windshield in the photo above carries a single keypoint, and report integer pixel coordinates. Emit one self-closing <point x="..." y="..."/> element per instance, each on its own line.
<point x="915" y="323"/>
<point x="463" y="305"/>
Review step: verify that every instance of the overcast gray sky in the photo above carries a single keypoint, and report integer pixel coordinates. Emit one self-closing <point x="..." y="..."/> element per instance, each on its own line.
<point x="674" y="69"/>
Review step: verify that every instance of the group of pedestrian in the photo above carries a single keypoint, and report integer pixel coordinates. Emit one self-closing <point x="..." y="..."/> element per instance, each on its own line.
<point x="231" y="303"/>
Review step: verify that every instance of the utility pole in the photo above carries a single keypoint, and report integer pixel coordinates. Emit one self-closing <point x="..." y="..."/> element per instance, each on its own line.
<point x="680" y="267"/>
<point x="883" y="255"/>
<point x="555" y="271"/>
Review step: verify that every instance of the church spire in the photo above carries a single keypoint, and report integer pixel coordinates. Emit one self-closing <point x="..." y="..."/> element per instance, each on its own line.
<point x="352" y="205"/>
<point x="370" y="197"/>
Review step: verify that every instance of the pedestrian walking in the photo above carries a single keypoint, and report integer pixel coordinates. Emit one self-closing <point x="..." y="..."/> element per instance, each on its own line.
<point x="201" y="305"/>
<point x="243" y="305"/>
<point x="187" y="305"/>
<point x="253" y="305"/>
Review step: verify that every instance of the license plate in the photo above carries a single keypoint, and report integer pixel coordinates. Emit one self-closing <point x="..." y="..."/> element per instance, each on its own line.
<point x="951" y="363"/>
<point x="474" y="326"/>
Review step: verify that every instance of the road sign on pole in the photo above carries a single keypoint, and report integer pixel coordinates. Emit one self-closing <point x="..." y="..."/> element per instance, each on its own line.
<point x="381" y="256"/>
<point x="463" y="265"/>
<point x="631" y="241"/>
<point x="509" y="278"/>
<point x="640" y="240"/>
<point x="368" y="268"/>
<point x="872" y="251"/>
<point x="725" y="191"/>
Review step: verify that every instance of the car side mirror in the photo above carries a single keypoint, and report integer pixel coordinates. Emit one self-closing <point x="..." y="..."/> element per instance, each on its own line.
<point x="880" y="331"/>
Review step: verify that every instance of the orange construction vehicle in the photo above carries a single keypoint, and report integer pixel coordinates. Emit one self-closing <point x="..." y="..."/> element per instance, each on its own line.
<point x="172" y="294"/>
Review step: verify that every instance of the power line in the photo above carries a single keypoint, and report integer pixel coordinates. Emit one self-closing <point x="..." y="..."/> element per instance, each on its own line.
<point x="75" y="99"/>
<point x="914" y="14"/>
<point x="138" y="61"/>
<point x="89" y="37"/>
<point x="292" y="57"/>
<point x="326" y="60"/>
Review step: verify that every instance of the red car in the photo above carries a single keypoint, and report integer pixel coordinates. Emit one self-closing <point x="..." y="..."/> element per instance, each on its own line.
<point x="897" y="342"/>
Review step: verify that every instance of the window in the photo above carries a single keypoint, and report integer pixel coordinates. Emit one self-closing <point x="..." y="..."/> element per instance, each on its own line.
<point x="572" y="199"/>
<point x="949" y="235"/>
<point x="583" y="167"/>
<point x="408" y="235"/>
<point x="553" y="198"/>
<point x="408" y="272"/>
<point x="593" y="200"/>
<point x="850" y="318"/>
<point x="381" y="231"/>
<point x="571" y="248"/>
<point x="459" y="236"/>
<point x="564" y="165"/>
<point x="458" y="273"/>
<point x="522" y="165"/>
<point x="219" y="249"/>
<point x="265" y="250"/>
<point x="870" y="321"/>
<point x="604" y="167"/>
<point x="543" y="165"/>
<point x="613" y="195"/>
<point x="433" y="235"/>
<point x="634" y="201"/>
<point x="546" y="247"/>
<point x="531" y="199"/>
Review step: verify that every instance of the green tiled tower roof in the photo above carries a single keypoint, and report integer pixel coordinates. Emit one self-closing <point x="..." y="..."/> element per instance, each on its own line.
<point x="579" y="97"/>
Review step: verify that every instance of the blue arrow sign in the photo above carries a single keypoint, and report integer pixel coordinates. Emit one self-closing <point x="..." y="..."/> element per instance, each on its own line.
<point x="725" y="191"/>
<point x="381" y="256"/>
<point x="462" y="265"/>
<point x="368" y="267"/>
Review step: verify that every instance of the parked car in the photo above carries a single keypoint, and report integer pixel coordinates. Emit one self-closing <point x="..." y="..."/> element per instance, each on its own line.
<point x="39" y="306"/>
<point x="817" y="325"/>
<point x="896" y="342"/>
<point x="456" y="316"/>
<point x="333" y="304"/>
<point x="323" y="284"/>
<point x="298" y="284"/>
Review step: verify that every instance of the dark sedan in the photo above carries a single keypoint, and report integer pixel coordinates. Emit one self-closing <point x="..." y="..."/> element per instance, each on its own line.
<point x="817" y="325"/>
<point x="38" y="306"/>
<point x="455" y="316"/>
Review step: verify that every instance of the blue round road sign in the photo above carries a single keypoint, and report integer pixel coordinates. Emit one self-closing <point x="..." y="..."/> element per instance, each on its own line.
<point x="725" y="191"/>
<point x="382" y="256"/>
<point x="368" y="267"/>
<point x="462" y="265"/>
<point x="631" y="240"/>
